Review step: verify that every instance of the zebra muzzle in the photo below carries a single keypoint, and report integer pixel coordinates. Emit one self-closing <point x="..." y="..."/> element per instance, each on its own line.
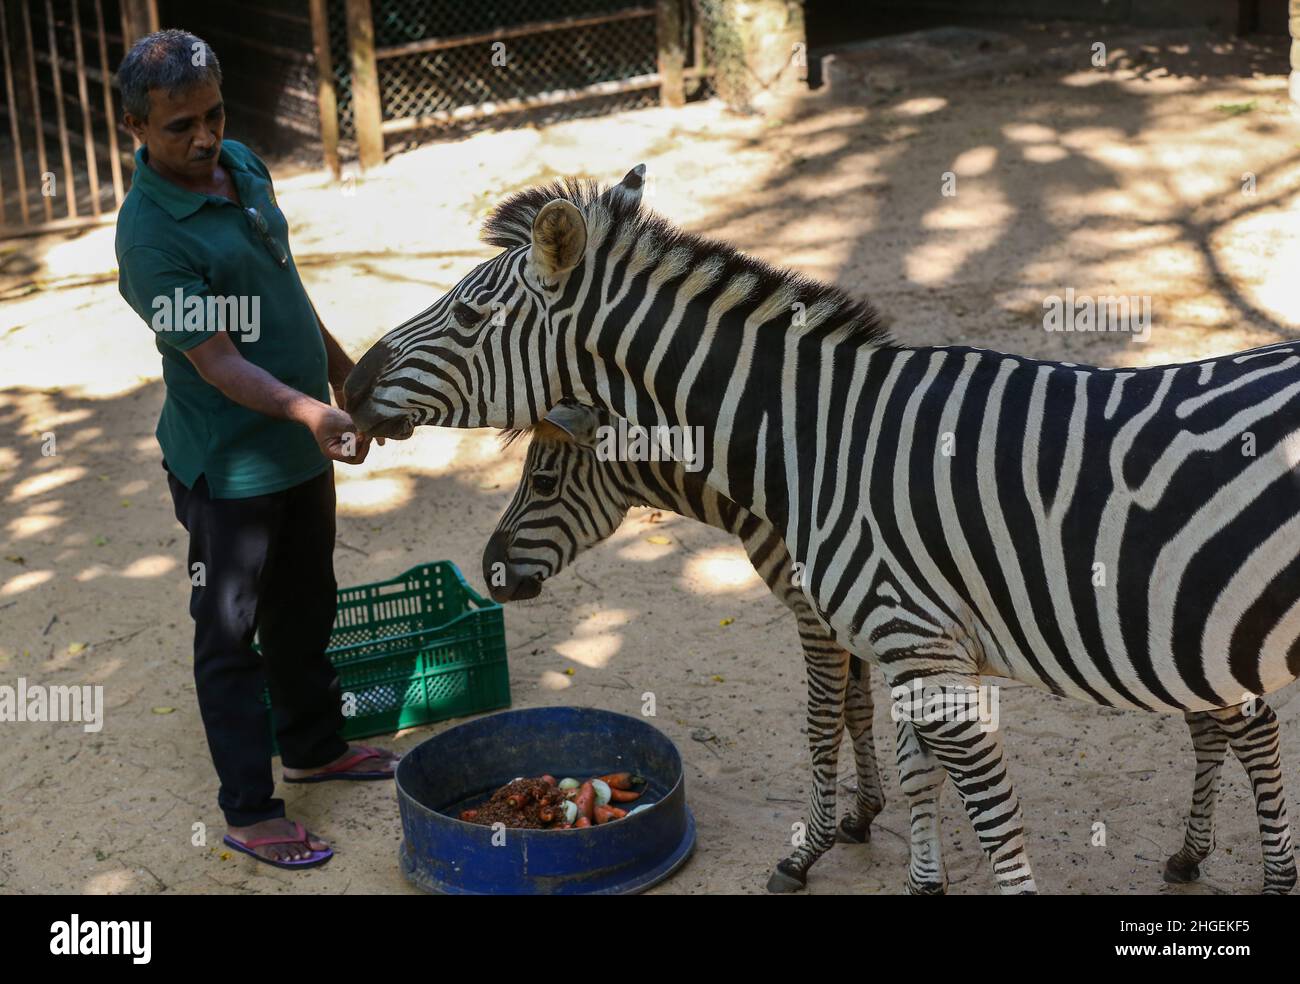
<point x="361" y="382"/>
<point x="502" y="578"/>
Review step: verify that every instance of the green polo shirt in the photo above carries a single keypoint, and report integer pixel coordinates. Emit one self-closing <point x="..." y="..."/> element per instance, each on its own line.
<point x="191" y="264"/>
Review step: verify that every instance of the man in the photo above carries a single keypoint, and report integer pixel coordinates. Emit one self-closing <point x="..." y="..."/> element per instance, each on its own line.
<point x="247" y="436"/>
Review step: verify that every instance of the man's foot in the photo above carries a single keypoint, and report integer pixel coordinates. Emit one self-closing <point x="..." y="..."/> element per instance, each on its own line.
<point x="366" y="762"/>
<point x="299" y="850"/>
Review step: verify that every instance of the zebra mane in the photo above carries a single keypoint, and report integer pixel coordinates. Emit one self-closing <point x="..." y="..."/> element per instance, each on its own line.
<point x="508" y="437"/>
<point x="550" y="432"/>
<point x="511" y="223"/>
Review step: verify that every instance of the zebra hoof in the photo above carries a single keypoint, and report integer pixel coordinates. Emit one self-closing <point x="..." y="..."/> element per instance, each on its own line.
<point x="1279" y="883"/>
<point x="927" y="888"/>
<point x="1179" y="871"/>
<point x="849" y="832"/>
<point x="786" y="878"/>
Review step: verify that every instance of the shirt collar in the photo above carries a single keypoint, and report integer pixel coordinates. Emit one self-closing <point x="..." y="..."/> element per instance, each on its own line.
<point x="180" y="203"/>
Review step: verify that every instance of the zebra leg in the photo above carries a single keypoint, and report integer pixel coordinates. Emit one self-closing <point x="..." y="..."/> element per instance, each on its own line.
<point x="1255" y="741"/>
<point x="1211" y="745"/>
<point x="921" y="776"/>
<point x="974" y="762"/>
<point x="859" y="714"/>
<point x="827" y="667"/>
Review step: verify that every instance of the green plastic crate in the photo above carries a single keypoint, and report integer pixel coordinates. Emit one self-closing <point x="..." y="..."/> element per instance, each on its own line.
<point x="419" y="648"/>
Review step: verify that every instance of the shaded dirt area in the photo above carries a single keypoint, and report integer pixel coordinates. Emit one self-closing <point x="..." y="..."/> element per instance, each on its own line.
<point x="1125" y="180"/>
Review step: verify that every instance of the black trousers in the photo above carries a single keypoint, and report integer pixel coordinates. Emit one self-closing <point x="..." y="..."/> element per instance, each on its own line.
<point x="267" y="567"/>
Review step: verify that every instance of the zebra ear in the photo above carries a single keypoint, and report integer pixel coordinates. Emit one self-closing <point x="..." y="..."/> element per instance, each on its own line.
<point x="577" y="421"/>
<point x="559" y="239"/>
<point x="631" y="187"/>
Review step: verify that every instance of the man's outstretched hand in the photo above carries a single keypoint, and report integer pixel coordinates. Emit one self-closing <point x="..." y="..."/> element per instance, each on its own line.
<point x="337" y="436"/>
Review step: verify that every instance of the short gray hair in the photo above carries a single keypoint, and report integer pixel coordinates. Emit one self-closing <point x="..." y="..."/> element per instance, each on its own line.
<point x="169" y="60"/>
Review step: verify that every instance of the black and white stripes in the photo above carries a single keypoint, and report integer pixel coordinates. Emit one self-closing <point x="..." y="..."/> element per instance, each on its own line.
<point x="1127" y="537"/>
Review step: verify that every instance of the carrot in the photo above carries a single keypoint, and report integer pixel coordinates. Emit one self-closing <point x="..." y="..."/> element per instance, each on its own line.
<point x="622" y="780"/>
<point x="546" y="814"/>
<point x="583" y="822"/>
<point x="623" y="795"/>
<point x="585" y="800"/>
<point x="604" y="814"/>
<point x="550" y="780"/>
<point x="516" y="801"/>
<point x="468" y="814"/>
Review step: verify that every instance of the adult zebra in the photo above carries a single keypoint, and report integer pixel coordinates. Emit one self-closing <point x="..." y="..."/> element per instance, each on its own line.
<point x="571" y="496"/>
<point x="1102" y="534"/>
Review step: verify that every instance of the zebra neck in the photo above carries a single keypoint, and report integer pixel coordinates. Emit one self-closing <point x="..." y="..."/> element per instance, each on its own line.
<point x="670" y="330"/>
<point x="670" y="486"/>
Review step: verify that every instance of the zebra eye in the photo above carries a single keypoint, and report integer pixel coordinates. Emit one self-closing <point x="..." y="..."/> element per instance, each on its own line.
<point x="544" y="484"/>
<point x="466" y="315"/>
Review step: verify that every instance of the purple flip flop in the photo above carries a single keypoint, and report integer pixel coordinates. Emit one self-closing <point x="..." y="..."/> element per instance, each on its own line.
<point x="313" y="859"/>
<point x="345" y="769"/>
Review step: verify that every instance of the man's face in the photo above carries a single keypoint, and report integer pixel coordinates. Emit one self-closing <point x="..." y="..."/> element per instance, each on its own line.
<point x="183" y="131"/>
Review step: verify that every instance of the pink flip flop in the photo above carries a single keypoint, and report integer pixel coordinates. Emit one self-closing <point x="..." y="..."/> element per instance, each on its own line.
<point x="344" y="769"/>
<point x="312" y="859"/>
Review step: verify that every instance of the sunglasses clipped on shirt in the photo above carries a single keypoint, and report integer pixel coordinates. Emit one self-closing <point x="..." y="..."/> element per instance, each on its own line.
<point x="258" y="221"/>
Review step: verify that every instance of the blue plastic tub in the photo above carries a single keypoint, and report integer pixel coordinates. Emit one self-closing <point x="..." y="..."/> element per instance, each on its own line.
<point x="463" y="765"/>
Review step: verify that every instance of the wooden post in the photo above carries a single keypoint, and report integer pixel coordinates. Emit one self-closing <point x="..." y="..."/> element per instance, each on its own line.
<point x="366" y="109"/>
<point x="672" y="58"/>
<point x="114" y="160"/>
<point x="326" y="99"/>
<point x="139" y="17"/>
<point x="12" y="102"/>
<point x="1293" y="21"/>
<point x="83" y="94"/>
<point x="69" y="181"/>
<point x="42" y="164"/>
<point x="699" y="56"/>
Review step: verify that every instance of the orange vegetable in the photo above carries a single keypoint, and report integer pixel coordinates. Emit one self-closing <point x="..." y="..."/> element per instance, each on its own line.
<point x="549" y="780"/>
<point x="623" y="795"/>
<point x="622" y="780"/>
<point x="604" y="814"/>
<point x="468" y="814"/>
<point x="583" y="822"/>
<point x="585" y="800"/>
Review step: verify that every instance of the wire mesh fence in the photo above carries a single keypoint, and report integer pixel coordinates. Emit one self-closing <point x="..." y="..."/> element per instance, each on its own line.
<point x="445" y="65"/>
<point x="442" y="67"/>
<point x="269" y="78"/>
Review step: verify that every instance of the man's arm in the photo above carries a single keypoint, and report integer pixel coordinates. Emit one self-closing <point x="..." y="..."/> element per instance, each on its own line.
<point x="220" y="364"/>
<point x="337" y="363"/>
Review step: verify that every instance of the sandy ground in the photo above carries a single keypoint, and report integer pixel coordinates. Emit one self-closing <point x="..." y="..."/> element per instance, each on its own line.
<point x="1125" y="180"/>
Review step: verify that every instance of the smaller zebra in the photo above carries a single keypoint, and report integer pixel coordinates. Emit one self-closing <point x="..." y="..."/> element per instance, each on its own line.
<point x="568" y="500"/>
<point x="542" y="531"/>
